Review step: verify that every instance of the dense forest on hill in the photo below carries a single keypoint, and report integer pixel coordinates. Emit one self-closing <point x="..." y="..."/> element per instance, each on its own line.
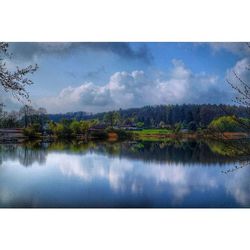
<point x="152" y="116"/>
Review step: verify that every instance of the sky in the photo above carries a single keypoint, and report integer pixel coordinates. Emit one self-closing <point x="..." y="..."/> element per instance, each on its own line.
<point x="97" y="77"/>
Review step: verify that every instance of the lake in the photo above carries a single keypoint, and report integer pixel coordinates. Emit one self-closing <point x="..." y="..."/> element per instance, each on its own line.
<point x="130" y="174"/>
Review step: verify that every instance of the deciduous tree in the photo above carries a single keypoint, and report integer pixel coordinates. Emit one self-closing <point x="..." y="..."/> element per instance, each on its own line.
<point x="14" y="81"/>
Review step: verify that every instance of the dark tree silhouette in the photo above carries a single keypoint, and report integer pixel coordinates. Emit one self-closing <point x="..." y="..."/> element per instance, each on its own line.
<point x="14" y="81"/>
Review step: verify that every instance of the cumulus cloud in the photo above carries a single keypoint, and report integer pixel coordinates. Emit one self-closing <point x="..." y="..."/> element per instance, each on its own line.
<point x="86" y="96"/>
<point x="31" y="50"/>
<point x="136" y="89"/>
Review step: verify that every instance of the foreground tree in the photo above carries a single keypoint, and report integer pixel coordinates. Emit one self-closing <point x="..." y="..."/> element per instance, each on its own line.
<point x="14" y="81"/>
<point x="29" y="115"/>
<point x="1" y="110"/>
<point x="233" y="122"/>
<point x="242" y="92"/>
<point x="26" y="112"/>
<point x="71" y="128"/>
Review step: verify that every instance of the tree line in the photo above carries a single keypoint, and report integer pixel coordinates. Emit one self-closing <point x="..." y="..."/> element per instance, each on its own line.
<point x="189" y="115"/>
<point x="26" y="116"/>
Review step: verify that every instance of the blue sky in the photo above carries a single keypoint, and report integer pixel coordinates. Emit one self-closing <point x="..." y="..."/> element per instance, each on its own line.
<point x="97" y="77"/>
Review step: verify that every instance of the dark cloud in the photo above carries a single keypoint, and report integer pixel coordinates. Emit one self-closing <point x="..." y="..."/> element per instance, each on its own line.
<point x="29" y="50"/>
<point x="90" y="75"/>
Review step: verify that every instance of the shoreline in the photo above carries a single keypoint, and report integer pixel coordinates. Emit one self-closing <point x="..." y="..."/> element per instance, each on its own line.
<point x="195" y="135"/>
<point x="114" y="137"/>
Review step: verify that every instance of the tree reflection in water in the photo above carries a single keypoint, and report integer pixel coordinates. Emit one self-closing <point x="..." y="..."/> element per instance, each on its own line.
<point x="185" y="152"/>
<point x="26" y="154"/>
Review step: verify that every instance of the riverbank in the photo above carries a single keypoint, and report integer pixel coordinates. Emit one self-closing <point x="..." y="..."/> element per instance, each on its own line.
<point x="11" y="135"/>
<point x="17" y="135"/>
<point x="167" y="134"/>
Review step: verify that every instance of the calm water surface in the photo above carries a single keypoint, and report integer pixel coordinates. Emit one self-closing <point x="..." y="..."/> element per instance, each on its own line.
<point x="122" y="174"/>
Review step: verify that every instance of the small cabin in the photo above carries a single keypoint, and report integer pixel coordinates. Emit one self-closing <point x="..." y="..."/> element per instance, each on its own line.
<point x="129" y="127"/>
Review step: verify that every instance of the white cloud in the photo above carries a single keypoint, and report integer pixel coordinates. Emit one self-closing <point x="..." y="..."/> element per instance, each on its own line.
<point x="84" y="97"/>
<point x="136" y="89"/>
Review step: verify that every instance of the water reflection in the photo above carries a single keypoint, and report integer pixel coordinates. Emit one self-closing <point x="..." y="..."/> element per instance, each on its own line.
<point x="25" y="154"/>
<point x="127" y="174"/>
<point x="185" y="152"/>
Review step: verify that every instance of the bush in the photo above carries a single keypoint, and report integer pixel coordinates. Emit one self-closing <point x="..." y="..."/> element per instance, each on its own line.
<point x="177" y="128"/>
<point x="70" y="128"/>
<point x="75" y="127"/>
<point x="32" y="131"/>
<point x="226" y="124"/>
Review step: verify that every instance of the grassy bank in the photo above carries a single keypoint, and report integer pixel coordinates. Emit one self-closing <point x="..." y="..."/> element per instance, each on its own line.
<point x="154" y="134"/>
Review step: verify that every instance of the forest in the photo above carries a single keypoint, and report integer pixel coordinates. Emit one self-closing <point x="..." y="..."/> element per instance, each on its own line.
<point x="163" y="115"/>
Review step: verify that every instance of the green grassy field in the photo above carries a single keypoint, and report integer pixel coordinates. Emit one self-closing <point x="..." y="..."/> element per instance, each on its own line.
<point x="154" y="132"/>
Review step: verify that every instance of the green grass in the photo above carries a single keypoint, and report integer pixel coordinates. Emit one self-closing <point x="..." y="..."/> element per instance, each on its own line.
<point x="155" y="139"/>
<point x="154" y="131"/>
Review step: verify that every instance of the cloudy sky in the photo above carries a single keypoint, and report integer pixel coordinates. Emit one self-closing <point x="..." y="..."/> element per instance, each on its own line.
<point x="97" y="77"/>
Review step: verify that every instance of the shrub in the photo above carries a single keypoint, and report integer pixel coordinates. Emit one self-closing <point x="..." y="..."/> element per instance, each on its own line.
<point x="226" y="124"/>
<point x="32" y="131"/>
<point x="177" y="128"/>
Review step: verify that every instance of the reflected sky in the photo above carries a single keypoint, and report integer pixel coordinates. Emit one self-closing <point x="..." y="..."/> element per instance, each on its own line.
<point x="94" y="179"/>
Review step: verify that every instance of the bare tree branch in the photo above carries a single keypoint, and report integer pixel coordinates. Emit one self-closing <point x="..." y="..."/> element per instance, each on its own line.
<point x="17" y="81"/>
